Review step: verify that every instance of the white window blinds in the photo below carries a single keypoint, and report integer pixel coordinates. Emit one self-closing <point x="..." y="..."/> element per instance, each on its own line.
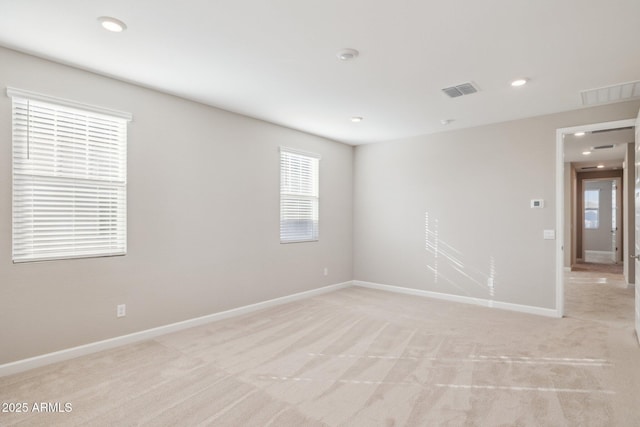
<point x="69" y="179"/>
<point x="299" y="182"/>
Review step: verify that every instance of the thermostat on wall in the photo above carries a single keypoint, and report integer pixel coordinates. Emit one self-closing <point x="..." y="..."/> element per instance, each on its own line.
<point x="537" y="203"/>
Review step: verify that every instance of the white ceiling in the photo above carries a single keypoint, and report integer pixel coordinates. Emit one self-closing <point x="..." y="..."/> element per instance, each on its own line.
<point x="610" y="158"/>
<point x="276" y="59"/>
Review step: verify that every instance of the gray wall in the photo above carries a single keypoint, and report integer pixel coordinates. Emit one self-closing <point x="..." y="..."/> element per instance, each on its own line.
<point x="203" y="218"/>
<point x="477" y="184"/>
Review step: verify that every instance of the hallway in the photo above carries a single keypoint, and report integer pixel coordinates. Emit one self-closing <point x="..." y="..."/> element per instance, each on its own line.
<point x="594" y="267"/>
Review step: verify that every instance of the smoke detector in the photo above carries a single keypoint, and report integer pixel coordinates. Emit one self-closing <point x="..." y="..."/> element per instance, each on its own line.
<point x="347" y="54"/>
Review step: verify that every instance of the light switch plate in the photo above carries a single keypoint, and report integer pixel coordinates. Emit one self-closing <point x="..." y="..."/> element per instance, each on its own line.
<point x="549" y="234"/>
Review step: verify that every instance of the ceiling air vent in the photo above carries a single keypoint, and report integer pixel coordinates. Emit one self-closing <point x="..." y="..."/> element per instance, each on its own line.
<point x="603" y="147"/>
<point x="611" y="130"/>
<point x="615" y="93"/>
<point x="461" y="89"/>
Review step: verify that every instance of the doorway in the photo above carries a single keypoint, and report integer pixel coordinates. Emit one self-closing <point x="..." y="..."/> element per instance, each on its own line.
<point x="576" y="154"/>
<point x="599" y="223"/>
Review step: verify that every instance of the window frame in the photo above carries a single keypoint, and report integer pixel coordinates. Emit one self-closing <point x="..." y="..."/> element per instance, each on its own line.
<point x="586" y="209"/>
<point x="69" y="179"/>
<point x="309" y="196"/>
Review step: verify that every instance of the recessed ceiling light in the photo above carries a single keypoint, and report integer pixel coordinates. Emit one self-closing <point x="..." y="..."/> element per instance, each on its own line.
<point x="519" y="82"/>
<point x="357" y="119"/>
<point x="445" y="121"/>
<point x="600" y="166"/>
<point x="112" y="24"/>
<point x="347" y="54"/>
<point x="578" y="134"/>
<point x="586" y="153"/>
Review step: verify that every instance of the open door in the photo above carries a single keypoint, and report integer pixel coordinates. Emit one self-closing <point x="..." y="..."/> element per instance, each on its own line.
<point x="637" y="233"/>
<point x="616" y="221"/>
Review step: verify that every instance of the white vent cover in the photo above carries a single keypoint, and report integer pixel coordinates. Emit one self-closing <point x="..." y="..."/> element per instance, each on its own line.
<point x="615" y="93"/>
<point x="461" y="89"/>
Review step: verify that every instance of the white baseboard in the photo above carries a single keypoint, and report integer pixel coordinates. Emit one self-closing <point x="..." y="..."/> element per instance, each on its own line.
<point x="458" y="298"/>
<point x="70" y="353"/>
<point x="607" y="253"/>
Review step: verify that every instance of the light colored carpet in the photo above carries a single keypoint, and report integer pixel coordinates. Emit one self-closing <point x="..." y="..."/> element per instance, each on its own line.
<point x="361" y="357"/>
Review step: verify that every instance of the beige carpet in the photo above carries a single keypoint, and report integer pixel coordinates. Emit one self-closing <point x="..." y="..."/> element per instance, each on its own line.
<point x="360" y="357"/>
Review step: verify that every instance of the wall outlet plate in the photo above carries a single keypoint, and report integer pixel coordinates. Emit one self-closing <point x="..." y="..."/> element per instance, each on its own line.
<point x="121" y="310"/>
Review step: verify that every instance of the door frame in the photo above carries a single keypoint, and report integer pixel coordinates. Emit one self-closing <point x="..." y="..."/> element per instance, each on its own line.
<point x="560" y="213"/>
<point x="620" y="210"/>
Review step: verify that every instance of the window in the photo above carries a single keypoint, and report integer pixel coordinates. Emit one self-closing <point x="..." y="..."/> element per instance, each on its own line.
<point x="298" y="196"/>
<point x="591" y="209"/>
<point x="69" y="179"/>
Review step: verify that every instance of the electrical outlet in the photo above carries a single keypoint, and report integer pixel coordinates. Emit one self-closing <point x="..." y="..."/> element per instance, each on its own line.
<point x="326" y="271"/>
<point x="121" y="310"/>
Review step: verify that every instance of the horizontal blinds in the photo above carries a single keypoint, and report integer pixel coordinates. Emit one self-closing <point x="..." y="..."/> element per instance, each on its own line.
<point x="298" y="196"/>
<point x="69" y="182"/>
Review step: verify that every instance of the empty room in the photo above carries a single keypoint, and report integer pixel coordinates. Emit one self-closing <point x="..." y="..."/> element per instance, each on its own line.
<point x="336" y="213"/>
